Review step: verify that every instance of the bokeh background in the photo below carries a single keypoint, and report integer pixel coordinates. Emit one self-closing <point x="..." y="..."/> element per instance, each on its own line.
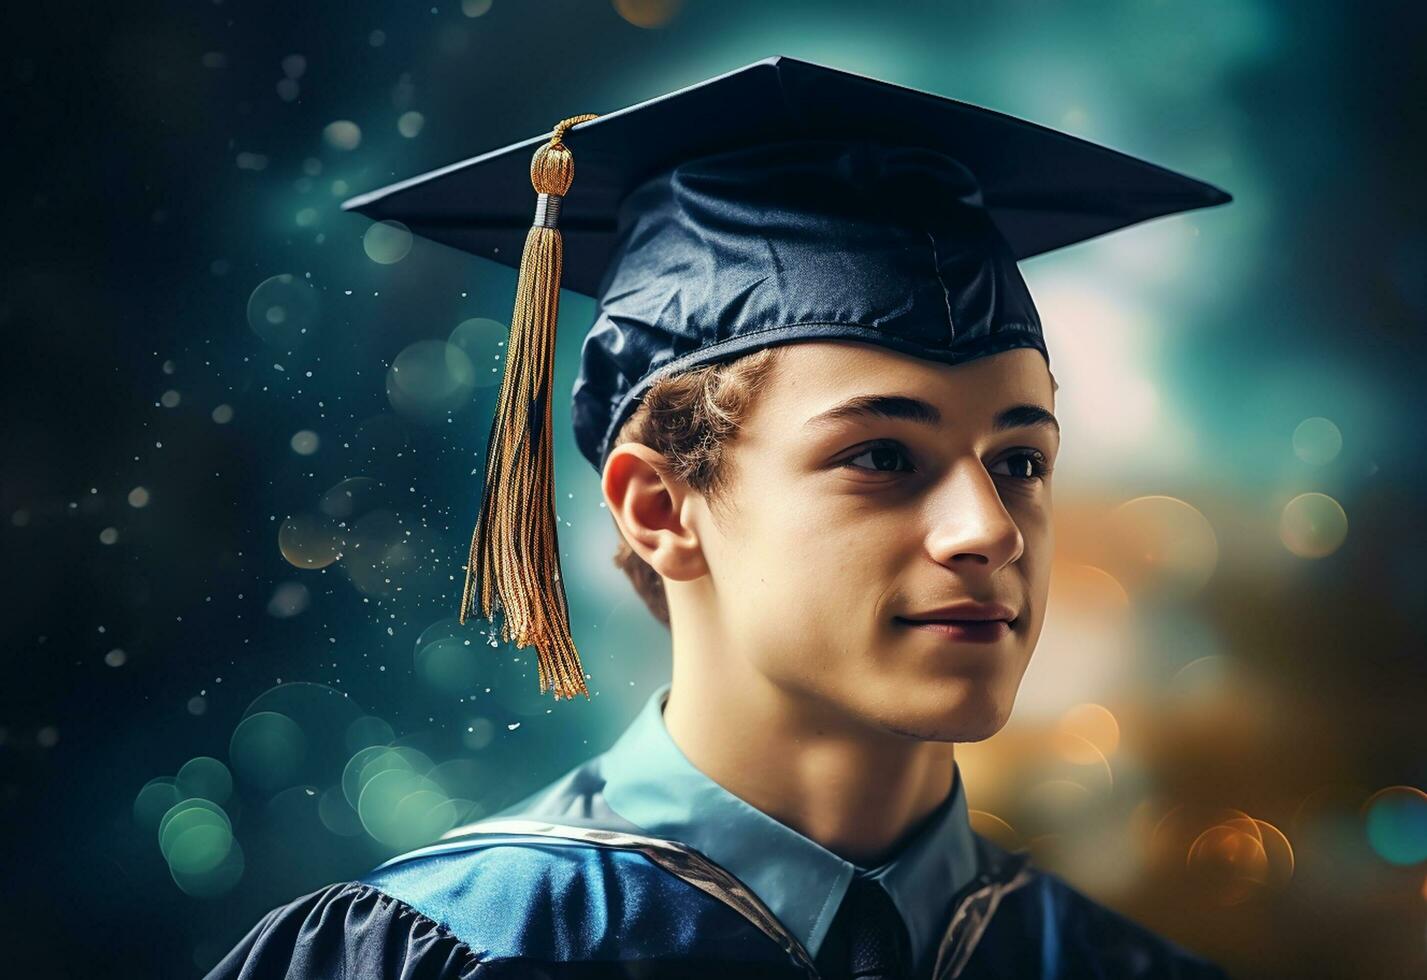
<point x="243" y="434"/>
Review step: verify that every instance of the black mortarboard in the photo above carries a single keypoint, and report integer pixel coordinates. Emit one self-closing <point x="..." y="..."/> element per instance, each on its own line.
<point x="779" y="202"/>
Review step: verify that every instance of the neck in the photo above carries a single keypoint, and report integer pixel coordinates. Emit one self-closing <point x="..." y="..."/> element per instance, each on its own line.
<point x="856" y="789"/>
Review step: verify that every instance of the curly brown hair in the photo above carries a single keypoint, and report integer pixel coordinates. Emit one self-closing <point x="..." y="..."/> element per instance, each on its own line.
<point x="690" y="418"/>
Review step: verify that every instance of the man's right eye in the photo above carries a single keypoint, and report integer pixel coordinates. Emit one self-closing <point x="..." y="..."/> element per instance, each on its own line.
<point x="883" y="458"/>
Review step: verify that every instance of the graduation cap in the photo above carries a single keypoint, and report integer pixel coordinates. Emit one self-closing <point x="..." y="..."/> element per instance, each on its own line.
<point x="778" y="202"/>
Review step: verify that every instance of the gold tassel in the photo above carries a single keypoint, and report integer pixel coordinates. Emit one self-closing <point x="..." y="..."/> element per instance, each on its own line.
<point x="514" y="565"/>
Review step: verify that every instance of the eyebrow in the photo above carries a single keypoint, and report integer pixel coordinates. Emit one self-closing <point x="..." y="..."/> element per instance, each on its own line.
<point x="908" y="409"/>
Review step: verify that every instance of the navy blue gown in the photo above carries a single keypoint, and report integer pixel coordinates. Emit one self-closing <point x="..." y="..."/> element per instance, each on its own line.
<point x="525" y="898"/>
<point x="637" y="865"/>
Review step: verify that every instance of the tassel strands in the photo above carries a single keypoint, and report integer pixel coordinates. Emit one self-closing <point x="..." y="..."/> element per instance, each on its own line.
<point x="514" y="565"/>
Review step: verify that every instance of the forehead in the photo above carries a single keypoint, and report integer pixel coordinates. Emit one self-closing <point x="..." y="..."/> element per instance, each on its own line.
<point x="813" y="376"/>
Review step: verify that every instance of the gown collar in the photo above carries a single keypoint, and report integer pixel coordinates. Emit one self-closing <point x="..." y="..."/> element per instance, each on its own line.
<point x="651" y="783"/>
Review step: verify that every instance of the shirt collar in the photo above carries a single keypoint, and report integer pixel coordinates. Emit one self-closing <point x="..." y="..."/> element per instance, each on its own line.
<point x="652" y="784"/>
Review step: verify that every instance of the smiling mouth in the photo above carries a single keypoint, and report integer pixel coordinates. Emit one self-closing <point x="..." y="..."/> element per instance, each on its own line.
<point x="965" y="630"/>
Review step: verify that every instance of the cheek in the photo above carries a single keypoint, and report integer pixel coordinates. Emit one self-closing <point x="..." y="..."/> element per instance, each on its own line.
<point x="825" y="557"/>
<point x="806" y="579"/>
<point x="786" y="565"/>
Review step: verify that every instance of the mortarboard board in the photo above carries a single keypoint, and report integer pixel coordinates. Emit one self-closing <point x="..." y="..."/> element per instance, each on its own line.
<point x="778" y="202"/>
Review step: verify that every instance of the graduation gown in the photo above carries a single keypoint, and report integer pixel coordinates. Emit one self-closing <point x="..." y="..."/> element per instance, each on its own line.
<point x="566" y="885"/>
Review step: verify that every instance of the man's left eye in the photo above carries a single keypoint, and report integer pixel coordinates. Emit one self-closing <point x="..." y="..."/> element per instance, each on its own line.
<point x="1037" y="468"/>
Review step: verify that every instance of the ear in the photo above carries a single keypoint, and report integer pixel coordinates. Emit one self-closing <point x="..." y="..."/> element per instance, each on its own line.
<point x="652" y="509"/>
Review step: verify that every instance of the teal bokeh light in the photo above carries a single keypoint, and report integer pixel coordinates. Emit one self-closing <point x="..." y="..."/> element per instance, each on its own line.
<point x="267" y="750"/>
<point x="205" y="777"/>
<point x="1397" y="824"/>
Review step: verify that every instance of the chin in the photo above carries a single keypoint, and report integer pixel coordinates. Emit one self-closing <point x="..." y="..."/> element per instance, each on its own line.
<point x="969" y="712"/>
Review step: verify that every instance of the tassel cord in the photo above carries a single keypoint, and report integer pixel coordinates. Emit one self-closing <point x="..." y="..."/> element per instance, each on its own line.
<point x="513" y="568"/>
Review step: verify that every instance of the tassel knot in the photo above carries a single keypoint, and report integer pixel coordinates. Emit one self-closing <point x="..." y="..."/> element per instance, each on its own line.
<point x="552" y="169"/>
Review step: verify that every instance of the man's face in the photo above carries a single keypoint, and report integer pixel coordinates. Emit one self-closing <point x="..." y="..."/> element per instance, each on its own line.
<point x="837" y="531"/>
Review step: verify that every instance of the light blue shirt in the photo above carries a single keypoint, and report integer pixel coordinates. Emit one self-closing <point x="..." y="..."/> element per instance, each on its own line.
<point x="653" y="785"/>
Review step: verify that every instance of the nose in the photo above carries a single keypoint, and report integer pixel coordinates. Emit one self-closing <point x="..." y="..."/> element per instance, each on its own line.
<point x="970" y="524"/>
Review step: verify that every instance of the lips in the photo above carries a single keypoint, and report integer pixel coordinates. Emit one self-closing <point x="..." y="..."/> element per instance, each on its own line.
<point x="965" y="630"/>
<point x="979" y="612"/>
<point x="954" y="622"/>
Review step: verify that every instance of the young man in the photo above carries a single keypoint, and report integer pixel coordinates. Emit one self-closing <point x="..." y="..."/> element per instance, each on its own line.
<point x="820" y="401"/>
